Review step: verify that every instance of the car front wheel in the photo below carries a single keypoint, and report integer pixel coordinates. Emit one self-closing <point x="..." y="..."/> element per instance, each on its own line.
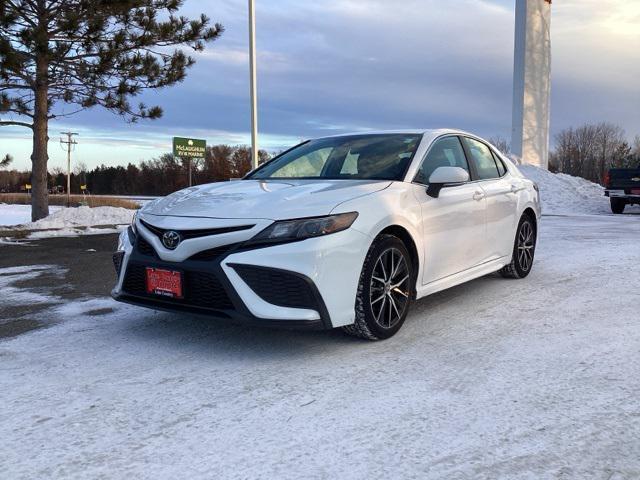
<point x="384" y="291"/>
<point x="524" y="249"/>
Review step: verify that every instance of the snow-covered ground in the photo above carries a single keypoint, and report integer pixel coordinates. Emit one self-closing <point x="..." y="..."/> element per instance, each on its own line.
<point x="64" y="222"/>
<point x="495" y="379"/>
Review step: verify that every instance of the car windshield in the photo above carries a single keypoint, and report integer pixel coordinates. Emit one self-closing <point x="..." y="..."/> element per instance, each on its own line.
<point x="376" y="157"/>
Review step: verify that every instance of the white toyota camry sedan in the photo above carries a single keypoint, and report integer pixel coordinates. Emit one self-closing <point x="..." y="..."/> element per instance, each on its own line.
<point x="343" y="231"/>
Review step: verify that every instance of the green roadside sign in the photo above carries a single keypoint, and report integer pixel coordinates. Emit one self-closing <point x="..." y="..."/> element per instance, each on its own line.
<point x="189" y="147"/>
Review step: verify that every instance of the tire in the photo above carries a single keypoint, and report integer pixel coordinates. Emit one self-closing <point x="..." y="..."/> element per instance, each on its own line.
<point x="617" y="205"/>
<point x="381" y="309"/>
<point x="524" y="249"/>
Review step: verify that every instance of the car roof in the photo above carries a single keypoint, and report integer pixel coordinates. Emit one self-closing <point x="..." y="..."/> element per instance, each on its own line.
<point x="428" y="132"/>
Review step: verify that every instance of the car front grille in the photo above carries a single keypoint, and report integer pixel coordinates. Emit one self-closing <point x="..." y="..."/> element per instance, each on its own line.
<point x="145" y="247"/>
<point x="186" y="234"/>
<point x="212" y="253"/>
<point x="201" y="289"/>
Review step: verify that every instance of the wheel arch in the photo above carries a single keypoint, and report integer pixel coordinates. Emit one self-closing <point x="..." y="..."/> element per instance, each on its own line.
<point x="403" y="234"/>
<point x="530" y="212"/>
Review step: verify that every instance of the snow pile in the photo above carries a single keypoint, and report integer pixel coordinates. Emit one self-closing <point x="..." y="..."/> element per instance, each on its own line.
<point x="11" y="215"/>
<point x="66" y="222"/>
<point x="83" y="217"/>
<point x="563" y="194"/>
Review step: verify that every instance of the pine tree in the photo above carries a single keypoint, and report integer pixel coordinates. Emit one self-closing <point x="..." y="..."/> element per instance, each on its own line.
<point x="88" y="53"/>
<point x="6" y="161"/>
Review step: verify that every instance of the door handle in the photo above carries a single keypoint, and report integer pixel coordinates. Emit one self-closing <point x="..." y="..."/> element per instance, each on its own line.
<point x="478" y="196"/>
<point x="514" y="188"/>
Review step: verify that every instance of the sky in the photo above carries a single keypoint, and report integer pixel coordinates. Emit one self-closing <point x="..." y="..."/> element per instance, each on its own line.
<point x="335" y="66"/>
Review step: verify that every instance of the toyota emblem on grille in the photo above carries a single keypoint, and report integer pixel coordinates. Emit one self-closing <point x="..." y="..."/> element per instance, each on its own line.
<point x="171" y="239"/>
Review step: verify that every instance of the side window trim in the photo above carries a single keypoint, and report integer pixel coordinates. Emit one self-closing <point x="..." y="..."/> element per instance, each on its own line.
<point x="496" y="158"/>
<point x="472" y="176"/>
<point x="472" y="165"/>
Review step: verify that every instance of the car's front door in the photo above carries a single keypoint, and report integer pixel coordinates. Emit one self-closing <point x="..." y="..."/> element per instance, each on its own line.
<point x="501" y="198"/>
<point x="453" y="223"/>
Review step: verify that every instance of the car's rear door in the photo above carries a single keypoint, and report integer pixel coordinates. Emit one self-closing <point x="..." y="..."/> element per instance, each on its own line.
<point x="454" y="222"/>
<point x="501" y="199"/>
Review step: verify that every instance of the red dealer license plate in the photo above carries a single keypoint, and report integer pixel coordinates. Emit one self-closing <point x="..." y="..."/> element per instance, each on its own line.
<point x="167" y="283"/>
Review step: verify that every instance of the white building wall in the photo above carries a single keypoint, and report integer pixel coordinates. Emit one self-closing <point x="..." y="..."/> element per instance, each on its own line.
<point x="532" y="82"/>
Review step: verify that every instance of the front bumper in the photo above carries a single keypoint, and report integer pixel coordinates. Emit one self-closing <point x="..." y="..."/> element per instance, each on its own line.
<point x="309" y="284"/>
<point x="233" y="315"/>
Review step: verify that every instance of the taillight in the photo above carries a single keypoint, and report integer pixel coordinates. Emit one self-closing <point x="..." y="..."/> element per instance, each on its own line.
<point x="607" y="180"/>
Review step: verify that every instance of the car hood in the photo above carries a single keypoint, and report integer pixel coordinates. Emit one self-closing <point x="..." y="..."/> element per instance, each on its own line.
<point x="269" y="199"/>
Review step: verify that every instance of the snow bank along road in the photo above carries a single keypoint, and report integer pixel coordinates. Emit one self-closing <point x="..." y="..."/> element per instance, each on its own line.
<point x="538" y="379"/>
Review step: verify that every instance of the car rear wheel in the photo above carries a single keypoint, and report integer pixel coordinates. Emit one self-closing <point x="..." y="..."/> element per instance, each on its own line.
<point x="524" y="249"/>
<point x="617" y="205"/>
<point x="384" y="291"/>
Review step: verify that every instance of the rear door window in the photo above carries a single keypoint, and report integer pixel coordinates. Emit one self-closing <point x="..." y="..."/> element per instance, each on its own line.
<point x="482" y="158"/>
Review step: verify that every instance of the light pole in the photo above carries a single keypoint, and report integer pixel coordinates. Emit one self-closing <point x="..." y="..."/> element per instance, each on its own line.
<point x="69" y="141"/>
<point x="253" y="82"/>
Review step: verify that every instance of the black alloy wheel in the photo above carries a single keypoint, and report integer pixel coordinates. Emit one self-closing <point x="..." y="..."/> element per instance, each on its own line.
<point x="524" y="250"/>
<point x="385" y="290"/>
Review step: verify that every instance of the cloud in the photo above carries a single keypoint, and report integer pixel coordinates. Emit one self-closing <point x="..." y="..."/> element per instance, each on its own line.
<point x="596" y="47"/>
<point x="349" y="65"/>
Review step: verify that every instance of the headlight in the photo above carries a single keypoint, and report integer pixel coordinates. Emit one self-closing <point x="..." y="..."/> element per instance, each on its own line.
<point x="302" y="228"/>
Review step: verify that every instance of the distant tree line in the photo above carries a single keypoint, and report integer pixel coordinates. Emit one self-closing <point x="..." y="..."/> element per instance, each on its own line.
<point x="590" y="150"/>
<point x="158" y="176"/>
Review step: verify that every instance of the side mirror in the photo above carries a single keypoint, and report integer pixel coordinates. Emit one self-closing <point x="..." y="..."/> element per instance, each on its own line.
<point x="446" y="177"/>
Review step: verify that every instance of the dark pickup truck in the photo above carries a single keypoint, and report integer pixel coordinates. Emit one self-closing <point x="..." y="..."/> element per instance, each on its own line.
<point x="622" y="186"/>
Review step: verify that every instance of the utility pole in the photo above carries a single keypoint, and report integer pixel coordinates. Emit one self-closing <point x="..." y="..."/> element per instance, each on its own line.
<point x="68" y="142"/>
<point x="253" y="82"/>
